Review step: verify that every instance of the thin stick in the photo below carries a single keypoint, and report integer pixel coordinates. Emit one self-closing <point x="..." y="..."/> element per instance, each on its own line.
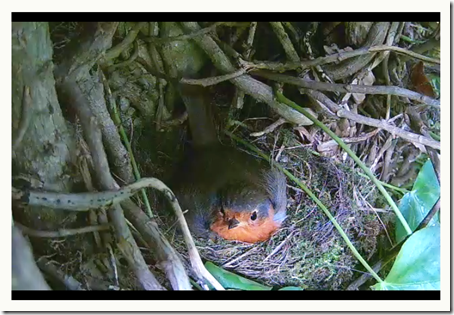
<point x="290" y="51"/>
<point x="382" y="124"/>
<point x="348" y="88"/>
<point x="62" y="232"/>
<point x="131" y="59"/>
<point x="270" y="128"/>
<point x="196" y="261"/>
<point x="331" y="143"/>
<point x="80" y="201"/>
<point x="214" y="80"/>
<point x="335" y="58"/>
<point x="69" y="282"/>
<point x="114" y="52"/>
<point x="124" y="136"/>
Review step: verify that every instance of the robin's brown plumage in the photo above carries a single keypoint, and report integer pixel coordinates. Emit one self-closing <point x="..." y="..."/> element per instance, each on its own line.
<point x="226" y="191"/>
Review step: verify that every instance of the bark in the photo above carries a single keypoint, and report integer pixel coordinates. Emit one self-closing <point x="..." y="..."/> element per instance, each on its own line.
<point x="44" y="156"/>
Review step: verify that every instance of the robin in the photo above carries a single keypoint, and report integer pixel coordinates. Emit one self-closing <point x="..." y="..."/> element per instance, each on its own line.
<point x="227" y="192"/>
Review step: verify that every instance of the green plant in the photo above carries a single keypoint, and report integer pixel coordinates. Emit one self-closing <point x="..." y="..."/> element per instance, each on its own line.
<point x="417" y="266"/>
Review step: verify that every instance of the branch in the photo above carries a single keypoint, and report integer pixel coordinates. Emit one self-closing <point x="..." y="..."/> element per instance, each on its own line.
<point x="290" y="51"/>
<point x="114" y="52"/>
<point x="334" y="58"/>
<point x="80" y="201"/>
<point x="214" y="80"/>
<point x="409" y="136"/>
<point x="61" y="232"/>
<point x="348" y="88"/>
<point x="376" y="36"/>
<point x="164" y="40"/>
<point x="93" y="137"/>
<point x="168" y="259"/>
<point x="48" y="268"/>
<point x="249" y="85"/>
<point x="194" y="256"/>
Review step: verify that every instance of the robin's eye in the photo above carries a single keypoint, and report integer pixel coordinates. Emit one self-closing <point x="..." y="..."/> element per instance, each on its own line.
<point x="254" y="216"/>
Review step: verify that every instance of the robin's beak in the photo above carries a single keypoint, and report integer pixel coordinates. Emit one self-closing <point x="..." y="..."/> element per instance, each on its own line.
<point x="233" y="223"/>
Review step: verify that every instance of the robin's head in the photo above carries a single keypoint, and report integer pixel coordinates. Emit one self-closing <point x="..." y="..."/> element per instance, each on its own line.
<point x="246" y="214"/>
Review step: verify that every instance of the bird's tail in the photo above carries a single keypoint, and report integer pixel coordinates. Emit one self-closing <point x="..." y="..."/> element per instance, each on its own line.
<point x="200" y="116"/>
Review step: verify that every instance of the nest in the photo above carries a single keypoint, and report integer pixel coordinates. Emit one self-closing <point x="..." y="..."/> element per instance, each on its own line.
<point x="307" y="251"/>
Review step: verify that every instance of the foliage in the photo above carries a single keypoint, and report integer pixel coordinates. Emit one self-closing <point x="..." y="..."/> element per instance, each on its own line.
<point x="417" y="203"/>
<point x="417" y="266"/>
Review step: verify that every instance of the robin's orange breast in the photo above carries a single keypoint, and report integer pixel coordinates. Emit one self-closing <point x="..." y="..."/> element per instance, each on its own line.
<point x="238" y="226"/>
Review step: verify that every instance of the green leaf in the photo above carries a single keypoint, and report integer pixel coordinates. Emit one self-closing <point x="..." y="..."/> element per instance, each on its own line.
<point x="417" y="267"/>
<point x="417" y="203"/>
<point x="229" y="280"/>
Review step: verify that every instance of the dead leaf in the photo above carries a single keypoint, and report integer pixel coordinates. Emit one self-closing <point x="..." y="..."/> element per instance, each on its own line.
<point x="420" y="81"/>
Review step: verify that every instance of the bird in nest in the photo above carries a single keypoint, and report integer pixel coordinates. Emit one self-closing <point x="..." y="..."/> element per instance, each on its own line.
<point x="228" y="193"/>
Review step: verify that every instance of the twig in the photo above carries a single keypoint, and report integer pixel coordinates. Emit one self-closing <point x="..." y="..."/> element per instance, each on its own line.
<point x="92" y="134"/>
<point x="68" y="281"/>
<point x="238" y="98"/>
<point x="163" y="40"/>
<point x="214" y="80"/>
<point x="345" y="88"/>
<point x="270" y="128"/>
<point x="250" y="40"/>
<point x="375" y="36"/>
<point x="290" y="51"/>
<point x="196" y="261"/>
<point x="229" y="263"/>
<point x="168" y="259"/>
<point x="80" y="201"/>
<point x="399" y="32"/>
<point x="382" y="55"/>
<point x="96" y="90"/>
<point x="158" y="64"/>
<point x="131" y="59"/>
<point x="114" y="52"/>
<point x="409" y="136"/>
<point x="279" y="246"/>
<point x="116" y="117"/>
<point x="255" y="88"/>
<point x="331" y="143"/>
<point x="327" y="106"/>
<point x="334" y="58"/>
<point x="61" y="232"/>
<point x="176" y="121"/>
<point x="113" y="264"/>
